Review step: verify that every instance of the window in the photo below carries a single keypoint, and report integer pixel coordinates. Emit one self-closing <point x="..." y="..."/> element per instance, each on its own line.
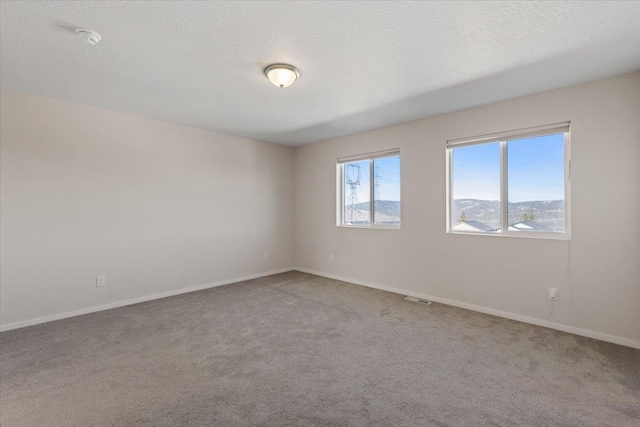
<point x="512" y="183"/>
<point x="369" y="190"/>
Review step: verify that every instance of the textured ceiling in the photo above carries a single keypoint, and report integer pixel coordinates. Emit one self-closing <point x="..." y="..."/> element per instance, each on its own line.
<point x="364" y="64"/>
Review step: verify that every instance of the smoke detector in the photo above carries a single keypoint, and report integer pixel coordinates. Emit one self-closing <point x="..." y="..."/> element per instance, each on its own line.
<point x="89" y="36"/>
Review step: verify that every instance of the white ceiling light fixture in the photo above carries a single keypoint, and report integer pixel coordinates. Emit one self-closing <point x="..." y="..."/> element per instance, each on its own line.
<point x="89" y="36"/>
<point x="282" y="75"/>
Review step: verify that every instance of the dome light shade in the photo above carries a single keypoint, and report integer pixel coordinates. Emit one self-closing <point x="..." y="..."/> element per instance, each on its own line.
<point x="281" y="75"/>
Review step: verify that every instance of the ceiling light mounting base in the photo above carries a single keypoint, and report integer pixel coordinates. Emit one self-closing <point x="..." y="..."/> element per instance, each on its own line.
<point x="89" y="36"/>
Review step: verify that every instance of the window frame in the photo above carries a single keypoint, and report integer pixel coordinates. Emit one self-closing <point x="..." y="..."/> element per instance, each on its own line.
<point x="340" y="199"/>
<point x="503" y="138"/>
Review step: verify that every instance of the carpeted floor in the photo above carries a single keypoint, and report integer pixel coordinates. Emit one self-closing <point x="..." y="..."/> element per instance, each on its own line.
<point x="300" y="350"/>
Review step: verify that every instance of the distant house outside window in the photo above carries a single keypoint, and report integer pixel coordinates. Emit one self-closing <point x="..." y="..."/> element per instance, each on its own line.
<point x="513" y="183"/>
<point x="369" y="190"/>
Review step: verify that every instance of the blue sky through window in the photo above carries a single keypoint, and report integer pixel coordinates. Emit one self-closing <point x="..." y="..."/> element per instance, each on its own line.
<point x="476" y="172"/>
<point x="535" y="168"/>
<point x="387" y="177"/>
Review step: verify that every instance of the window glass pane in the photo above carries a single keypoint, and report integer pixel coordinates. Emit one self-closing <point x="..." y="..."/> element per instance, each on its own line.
<point x="386" y="190"/>
<point x="475" y="188"/>
<point x="357" y="196"/>
<point x="536" y="183"/>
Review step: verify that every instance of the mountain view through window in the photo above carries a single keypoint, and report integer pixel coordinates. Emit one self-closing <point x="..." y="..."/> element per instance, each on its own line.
<point x="535" y="186"/>
<point x="378" y="177"/>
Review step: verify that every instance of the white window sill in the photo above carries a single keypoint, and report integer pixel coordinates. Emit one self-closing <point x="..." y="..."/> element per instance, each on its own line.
<point x="547" y="236"/>
<point x="371" y="227"/>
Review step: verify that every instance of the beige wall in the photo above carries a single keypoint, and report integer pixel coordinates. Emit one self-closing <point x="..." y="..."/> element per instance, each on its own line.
<point x="155" y="207"/>
<point x="162" y="208"/>
<point x="597" y="272"/>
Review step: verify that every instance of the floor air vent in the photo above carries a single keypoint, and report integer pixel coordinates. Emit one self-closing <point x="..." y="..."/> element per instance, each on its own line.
<point x="421" y="301"/>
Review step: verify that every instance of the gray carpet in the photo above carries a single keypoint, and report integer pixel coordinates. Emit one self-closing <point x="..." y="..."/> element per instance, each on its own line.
<point x="300" y="350"/>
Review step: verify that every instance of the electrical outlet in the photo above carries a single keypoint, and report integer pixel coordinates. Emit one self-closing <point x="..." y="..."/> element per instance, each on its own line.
<point x="101" y="281"/>
<point x="331" y="257"/>
<point x="265" y="256"/>
<point x="553" y="294"/>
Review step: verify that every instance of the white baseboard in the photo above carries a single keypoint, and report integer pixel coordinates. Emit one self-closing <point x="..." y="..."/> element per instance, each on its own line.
<point x="534" y="321"/>
<point x="540" y="322"/>
<point x="36" y="321"/>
